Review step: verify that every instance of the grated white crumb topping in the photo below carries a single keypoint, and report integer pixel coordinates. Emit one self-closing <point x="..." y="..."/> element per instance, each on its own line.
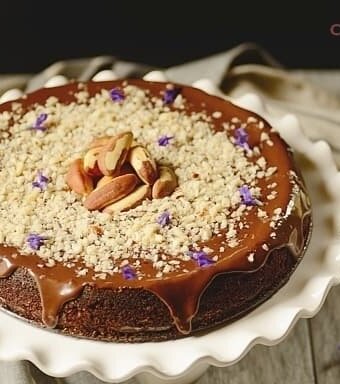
<point x="209" y="167"/>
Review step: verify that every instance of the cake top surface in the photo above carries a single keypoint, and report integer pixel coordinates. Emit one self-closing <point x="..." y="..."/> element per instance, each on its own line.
<point x="224" y="180"/>
<point x="237" y="186"/>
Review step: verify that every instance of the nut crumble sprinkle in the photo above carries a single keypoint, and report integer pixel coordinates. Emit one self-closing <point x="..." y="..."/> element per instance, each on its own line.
<point x="210" y="169"/>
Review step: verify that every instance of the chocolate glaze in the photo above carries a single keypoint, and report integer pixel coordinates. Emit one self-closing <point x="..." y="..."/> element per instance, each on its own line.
<point x="180" y="291"/>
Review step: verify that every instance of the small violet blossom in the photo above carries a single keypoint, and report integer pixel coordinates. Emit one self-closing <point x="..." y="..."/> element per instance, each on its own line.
<point x="246" y="196"/>
<point x="241" y="138"/>
<point x="164" y="140"/>
<point x="35" y="241"/>
<point x="170" y="95"/>
<point x="39" y="122"/>
<point x="40" y="181"/>
<point x="201" y="258"/>
<point x="117" y="94"/>
<point x="164" y="219"/>
<point x="128" y="272"/>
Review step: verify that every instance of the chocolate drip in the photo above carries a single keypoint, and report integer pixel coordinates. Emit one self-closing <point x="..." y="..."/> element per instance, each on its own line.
<point x="182" y="295"/>
<point x="181" y="292"/>
<point x="7" y="267"/>
<point x="54" y="294"/>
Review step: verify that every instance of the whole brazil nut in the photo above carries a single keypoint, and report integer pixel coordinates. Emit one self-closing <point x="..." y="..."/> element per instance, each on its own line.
<point x="166" y="183"/>
<point x="130" y="201"/>
<point x="143" y="164"/>
<point x="114" y="153"/>
<point x="91" y="161"/>
<point x="78" y="180"/>
<point x="99" y="141"/>
<point x="113" y="191"/>
<point x="125" y="169"/>
<point x="104" y="180"/>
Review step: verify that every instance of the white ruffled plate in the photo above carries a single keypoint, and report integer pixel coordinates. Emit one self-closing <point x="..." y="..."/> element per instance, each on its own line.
<point x="182" y="361"/>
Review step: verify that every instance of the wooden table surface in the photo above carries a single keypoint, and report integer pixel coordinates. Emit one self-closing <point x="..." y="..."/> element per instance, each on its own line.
<point x="309" y="355"/>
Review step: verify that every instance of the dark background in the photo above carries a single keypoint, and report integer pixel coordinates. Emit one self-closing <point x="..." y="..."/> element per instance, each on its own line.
<point x="165" y="33"/>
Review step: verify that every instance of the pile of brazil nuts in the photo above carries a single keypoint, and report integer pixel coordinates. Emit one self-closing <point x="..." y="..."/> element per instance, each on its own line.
<point x="117" y="174"/>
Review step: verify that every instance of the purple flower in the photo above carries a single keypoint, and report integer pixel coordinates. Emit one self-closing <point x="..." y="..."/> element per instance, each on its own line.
<point x="35" y="241"/>
<point x="201" y="258"/>
<point x="128" y="272"/>
<point x="170" y="95"/>
<point x="117" y="94"/>
<point x="246" y="196"/>
<point x="241" y="138"/>
<point x="40" y="181"/>
<point x="38" y="125"/>
<point x="163" y="219"/>
<point x="164" y="140"/>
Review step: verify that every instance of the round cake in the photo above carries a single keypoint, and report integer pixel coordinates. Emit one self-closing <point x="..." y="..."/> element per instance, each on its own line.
<point x="138" y="211"/>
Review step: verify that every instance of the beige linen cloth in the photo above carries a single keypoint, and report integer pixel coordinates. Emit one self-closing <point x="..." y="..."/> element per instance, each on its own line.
<point x="311" y="95"/>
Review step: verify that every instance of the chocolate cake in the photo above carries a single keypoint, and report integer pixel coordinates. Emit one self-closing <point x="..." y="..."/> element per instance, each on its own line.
<point x="139" y="211"/>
